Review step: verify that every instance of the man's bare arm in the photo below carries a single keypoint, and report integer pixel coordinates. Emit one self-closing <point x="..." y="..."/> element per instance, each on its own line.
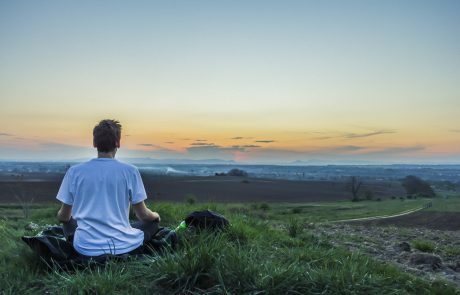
<point x="64" y="213"/>
<point x="145" y="214"/>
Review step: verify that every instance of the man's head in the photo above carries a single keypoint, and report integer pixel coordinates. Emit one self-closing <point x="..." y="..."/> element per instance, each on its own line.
<point x="106" y="136"/>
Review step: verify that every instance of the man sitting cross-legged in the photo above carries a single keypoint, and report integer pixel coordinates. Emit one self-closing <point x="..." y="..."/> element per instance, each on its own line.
<point x="96" y="196"/>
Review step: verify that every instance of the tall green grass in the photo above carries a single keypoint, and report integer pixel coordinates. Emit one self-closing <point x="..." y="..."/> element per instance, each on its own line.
<point x="251" y="257"/>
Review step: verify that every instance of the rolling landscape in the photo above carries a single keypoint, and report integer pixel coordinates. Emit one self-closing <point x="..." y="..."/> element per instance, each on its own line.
<point x="318" y="238"/>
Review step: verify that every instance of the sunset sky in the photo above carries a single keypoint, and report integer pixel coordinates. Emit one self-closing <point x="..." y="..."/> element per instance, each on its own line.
<point x="249" y="81"/>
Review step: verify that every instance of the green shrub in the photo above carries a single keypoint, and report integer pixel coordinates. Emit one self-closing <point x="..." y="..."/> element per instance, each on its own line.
<point x="296" y="210"/>
<point x="423" y="245"/>
<point x="264" y="206"/>
<point x="369" y="195"/>
<point x="294" y="227"/>
<point x="190" y="199"/>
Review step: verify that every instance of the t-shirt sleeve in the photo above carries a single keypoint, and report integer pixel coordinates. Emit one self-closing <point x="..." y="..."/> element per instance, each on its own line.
<point x="137" y="193"/>
<point x="66" y="192"/>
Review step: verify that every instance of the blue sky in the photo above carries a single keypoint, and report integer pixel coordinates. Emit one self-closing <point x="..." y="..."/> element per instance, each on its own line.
<point x="302" y="74"/>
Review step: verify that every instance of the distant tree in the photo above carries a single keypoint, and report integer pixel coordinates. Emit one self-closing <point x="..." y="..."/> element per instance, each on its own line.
<point x="414" y="185"/>
<point x="237" y="172"/>
<point x="190" y="199"/>
<point x="354" y="185"/>
<point x="233" y="172"/>
<point x="369" y="195"/>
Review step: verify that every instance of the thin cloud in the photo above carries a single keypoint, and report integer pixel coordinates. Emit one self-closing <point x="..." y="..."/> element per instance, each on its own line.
<point x="455" y="130"/>
<point x="265" y="141"/>
<point x="246" y="146"/>
<point x="169" y="142"/>
<point x="214" y="148"/>
<point x="398" y="150"/>
<point x="155" y="146"/>
<point x="202" y="144"/>
<point x="201" y="140"/>
<point x="347" y="148"/>
<point x="350" y="135"/>
<point x="148" y="144"/>
<point x="368" y="134"/>
<point x="5" y="134"/>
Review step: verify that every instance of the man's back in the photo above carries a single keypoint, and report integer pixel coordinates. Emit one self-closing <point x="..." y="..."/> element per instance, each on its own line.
<point x="100" y="191"/>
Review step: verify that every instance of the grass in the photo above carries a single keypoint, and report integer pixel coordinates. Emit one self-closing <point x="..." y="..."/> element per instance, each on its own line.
<point x="255" y="256"/>
<point x="323" y="212"/>
<point x="424" y="246"/>
<point x="447" y="202"/>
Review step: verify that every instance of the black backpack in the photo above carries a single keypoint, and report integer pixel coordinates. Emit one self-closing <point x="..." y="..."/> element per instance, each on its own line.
<point x="206" y="219"/>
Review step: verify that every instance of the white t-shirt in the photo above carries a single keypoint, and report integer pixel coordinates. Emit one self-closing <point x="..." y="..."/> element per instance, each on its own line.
<point x="100" y="192"/>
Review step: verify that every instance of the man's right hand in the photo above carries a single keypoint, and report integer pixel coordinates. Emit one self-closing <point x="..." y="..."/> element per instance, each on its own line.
<point x="157" y="216"/>
<point x="145" y="214"/>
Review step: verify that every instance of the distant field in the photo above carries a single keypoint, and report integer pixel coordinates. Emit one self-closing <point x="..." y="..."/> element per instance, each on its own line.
<point x="41" y="188"/>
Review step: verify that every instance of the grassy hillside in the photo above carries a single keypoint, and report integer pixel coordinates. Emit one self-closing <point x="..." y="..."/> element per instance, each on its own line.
<point x="267" y="250"/>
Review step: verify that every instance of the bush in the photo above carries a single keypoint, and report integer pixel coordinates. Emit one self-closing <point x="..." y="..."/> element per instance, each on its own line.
<point x="393" y="198"/>
<point x="264" y="206"/>
<point x="294" y="227"/>
<point x="423" y="245"/>
<point x="369" y="195"/>
<point x="296" y="210"/>
<point x="190" y="199"/>
<point x="237" y="172"/>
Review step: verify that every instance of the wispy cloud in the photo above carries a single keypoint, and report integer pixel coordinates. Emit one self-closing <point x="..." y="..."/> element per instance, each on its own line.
<point x="368" y="134"/>
<point x="149" y="145"/>
<point x="214" y="151"/>
<point x="241" y="137"/>
<point x="169" y="142"/>
<point x="349" y="135"/>
<point x="345" y="148"/>
<point x="265" y="141"/>
<point x="201" y="140"/>
<point x="5" y="134"/>
<point x="202" y="144"/>
<point x="455" y="130"/>
<point x="251" y="146"/>
<point x="398" y="150"/>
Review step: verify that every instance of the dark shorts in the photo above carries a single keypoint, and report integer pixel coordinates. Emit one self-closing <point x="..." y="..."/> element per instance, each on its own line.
<point x="149" y="229"/>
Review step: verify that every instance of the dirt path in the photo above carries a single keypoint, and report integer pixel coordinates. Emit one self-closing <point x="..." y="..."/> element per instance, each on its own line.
<point x="381" y="216"/>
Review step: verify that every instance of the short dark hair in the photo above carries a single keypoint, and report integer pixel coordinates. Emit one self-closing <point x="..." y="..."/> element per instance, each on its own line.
<point x="106" y="135"/>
